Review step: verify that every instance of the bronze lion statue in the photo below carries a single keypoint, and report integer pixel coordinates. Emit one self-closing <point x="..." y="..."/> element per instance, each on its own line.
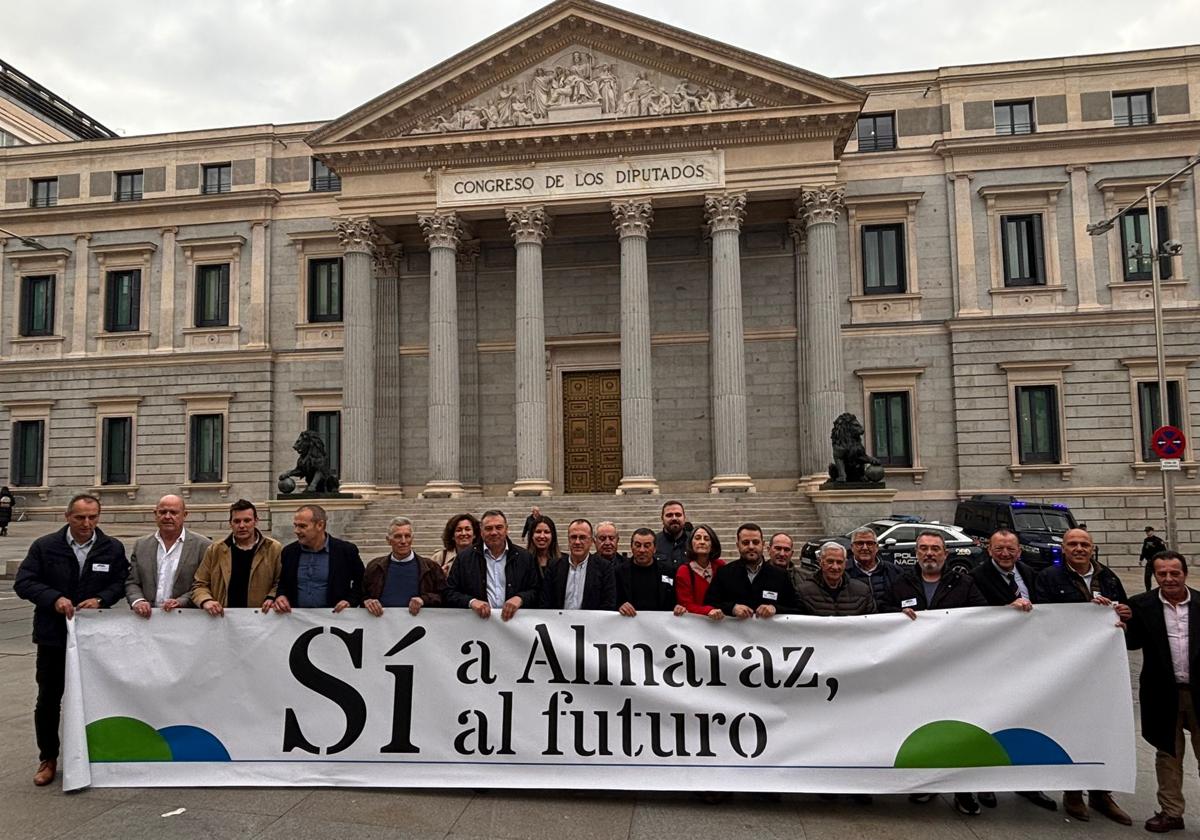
<point x="312" y="465"/>
<point x="851" y="462"/>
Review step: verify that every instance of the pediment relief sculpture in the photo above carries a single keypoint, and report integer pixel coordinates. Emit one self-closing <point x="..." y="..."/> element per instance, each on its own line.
<point x="579" y="85"/>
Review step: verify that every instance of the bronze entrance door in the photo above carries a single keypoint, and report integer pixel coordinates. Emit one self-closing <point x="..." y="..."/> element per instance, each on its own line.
<point x="592" y="431"/>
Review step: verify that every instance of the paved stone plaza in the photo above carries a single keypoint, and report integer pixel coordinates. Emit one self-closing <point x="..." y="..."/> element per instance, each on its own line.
<point x="29" y="812"/>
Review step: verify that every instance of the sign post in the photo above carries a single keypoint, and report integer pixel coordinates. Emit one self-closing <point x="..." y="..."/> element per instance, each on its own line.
<point x="1169" y="444"/>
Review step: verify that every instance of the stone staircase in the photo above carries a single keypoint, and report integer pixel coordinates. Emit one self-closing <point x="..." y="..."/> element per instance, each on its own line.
<point x="790" y="512"/>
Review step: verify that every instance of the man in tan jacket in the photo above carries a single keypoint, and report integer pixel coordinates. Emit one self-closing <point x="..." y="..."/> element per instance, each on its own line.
<point x="241" y="570"/>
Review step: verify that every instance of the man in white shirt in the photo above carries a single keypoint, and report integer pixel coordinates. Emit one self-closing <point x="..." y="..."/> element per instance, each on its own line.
<point x="163" y="564"/>
<point x="1164" y="624"/>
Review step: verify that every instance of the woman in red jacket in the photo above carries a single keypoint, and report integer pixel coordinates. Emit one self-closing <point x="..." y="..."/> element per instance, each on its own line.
<point x="694" y="576"/>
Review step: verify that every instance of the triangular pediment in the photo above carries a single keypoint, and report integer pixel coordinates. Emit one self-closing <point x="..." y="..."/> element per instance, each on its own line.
<point x="577" y="62"/>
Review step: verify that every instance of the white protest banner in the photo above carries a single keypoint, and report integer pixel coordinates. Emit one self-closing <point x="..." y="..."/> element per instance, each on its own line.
<point x="973" y="699"/>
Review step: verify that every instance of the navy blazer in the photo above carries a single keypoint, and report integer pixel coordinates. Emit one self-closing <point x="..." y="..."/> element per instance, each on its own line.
<point x="599" y="584"/>
<point x="993" y="586"/>
<point x="345" y="573"/>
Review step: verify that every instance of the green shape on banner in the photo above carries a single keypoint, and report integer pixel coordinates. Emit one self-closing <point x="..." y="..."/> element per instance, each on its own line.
<point x="951" y="743"/>
<point x="125" y="739"/>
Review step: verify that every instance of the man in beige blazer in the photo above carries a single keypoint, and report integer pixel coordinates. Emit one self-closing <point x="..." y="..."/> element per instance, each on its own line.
<point x="163" y="564"/>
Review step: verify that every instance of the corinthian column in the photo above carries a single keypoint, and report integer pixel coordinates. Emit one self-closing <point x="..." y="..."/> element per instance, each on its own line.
<point x="443" y="232"/>
<point x="724" y="214"/>
<point x="359" y="238"/>
<point x="632" y="219"/>
<point x="824" y="373"/>
<point x="530" y="227"/>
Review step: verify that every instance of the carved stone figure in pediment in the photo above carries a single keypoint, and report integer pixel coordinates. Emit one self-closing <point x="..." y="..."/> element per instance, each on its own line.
<point x="576" y="86"/>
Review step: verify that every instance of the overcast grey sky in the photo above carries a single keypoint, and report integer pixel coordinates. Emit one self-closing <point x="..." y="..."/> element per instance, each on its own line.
<point x="146" y="66"/>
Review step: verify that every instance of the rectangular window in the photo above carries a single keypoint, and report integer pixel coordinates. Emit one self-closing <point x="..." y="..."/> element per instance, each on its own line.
<point x="890" y="429"/>
<point x="883" y="259"/>
<point x="328" y="426"/>
<point x="122" y="300"/>
<point x="1135" y="244"/>
<point x="1037" y="424"/>
<point x="45" y="192"/>
<point x="1149" y="415"/>
<point x="129" y="186"/>
<point x="324" y="179"/>
<point x="37" y="305"/>
<point x="325" y="290"/>
<point x="1133" y="108"/>
<point x="116" y="450"/>
<point x="206" y="455"/>
<point x="1014" y="117"/>
<point x="218" y="178"/>
<point x="1021" y="244"/>
<point x="27" y="441"/>
<point x="876" y="132"/>
<point x="212" y="295"/>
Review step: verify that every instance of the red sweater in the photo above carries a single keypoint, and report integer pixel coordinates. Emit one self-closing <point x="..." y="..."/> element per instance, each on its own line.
<point x="691" y="587"/>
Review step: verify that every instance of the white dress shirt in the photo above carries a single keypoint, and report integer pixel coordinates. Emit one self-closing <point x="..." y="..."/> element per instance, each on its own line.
<point x="1176" y="617"/>
<point x="576" y="576"/>
<point x="167" y="565"/>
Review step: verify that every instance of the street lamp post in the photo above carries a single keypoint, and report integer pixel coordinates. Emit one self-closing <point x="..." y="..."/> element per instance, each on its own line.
<point x="24" y="240"/>
<point x="1168" y="249"/>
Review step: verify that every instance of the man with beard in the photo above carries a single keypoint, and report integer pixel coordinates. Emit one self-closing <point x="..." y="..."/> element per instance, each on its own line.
<point x="750" y="587"/>
<point x="670" y="545"/>
<point x="932" y="588"/>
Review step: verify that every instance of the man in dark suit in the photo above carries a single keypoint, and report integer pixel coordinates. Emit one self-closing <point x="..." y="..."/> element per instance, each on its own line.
<point x="645" y="580"/>
<point x="750" y="586"/>
<point x="493" y="574"/>
<point x="163" y="564"/>
<point x="579" y="581"/>
<point x="1004" y="581"/>
<point x="77" y="567"/>
<point x="318" y="571"/>
<point x="1165" y="625"/>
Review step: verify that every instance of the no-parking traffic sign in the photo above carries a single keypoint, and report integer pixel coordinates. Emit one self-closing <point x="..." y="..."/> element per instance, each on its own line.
<point x="1168" y="442"/>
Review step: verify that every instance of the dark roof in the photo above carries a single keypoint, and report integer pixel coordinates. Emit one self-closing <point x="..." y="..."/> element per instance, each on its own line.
<point x="25" y="91"/>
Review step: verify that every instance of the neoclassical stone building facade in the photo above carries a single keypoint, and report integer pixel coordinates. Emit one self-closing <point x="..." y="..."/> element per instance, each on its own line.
<point x="595" y="253"/>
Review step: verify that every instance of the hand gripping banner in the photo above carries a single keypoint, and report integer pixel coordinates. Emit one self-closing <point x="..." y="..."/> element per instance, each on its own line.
<point x="971" y="699"/>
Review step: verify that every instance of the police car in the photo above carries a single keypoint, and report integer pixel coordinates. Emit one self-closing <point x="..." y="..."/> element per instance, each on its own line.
<point x="898" y="540"/>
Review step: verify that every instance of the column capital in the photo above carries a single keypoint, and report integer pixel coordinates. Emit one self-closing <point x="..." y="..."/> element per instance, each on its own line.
<point x="821" y="205"/>
<point x="528" y="224"/>
<point x="443" y="229"/>
<point x="798" y="229"/>
<point x="467" y="254"/>
<point x="357" y="235"/>
<point x="725" y="211"/>
<point x="385" y="259"/>
<point x="632" y="217"/>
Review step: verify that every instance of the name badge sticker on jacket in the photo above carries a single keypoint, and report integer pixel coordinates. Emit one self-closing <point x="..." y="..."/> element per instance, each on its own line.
<point x="770" y="596"/>
<point x="99" y="567"/>
<point x="668" y="581"/>
<point x="908" y="602"/>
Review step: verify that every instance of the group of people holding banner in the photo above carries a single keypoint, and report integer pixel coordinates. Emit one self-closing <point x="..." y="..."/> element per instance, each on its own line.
<point x="678" y="569"/>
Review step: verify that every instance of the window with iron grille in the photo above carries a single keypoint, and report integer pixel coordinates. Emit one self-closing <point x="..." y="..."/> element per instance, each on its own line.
<point x="129" y="186"/>
<point x="876" y="132"/>
<point x="1149" y="415"/>
<point x="45" y="192"/>
<point x="324" y="179"/>
<point x="1014" y="117"/>
<point x="1133" y="108"/>
<point x="218" y="178"/>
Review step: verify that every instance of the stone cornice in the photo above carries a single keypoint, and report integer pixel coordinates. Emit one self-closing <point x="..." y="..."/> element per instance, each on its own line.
<point x="174" y="142"/>
<point x="1069" y="139"/>
<point x="96" y="214"/>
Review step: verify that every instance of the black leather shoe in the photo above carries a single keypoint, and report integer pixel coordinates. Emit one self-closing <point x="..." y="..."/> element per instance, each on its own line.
<point x="1160" y="823"/>
<point x="1039" y="799"/>
<point x="987" y="800"/>
<point x="966" y="803"/>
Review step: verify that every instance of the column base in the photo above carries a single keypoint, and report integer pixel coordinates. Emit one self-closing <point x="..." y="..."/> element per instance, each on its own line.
<point x="632" y="485"/>
<point x="809" y="483"/>
<point x="731" y="484"/>
<point x="442" y="489"/>
<point x="394" y="490"/>
<point x="367" y="491"/>
<point x="472" y="489"/>
<point x="531" y="487"/>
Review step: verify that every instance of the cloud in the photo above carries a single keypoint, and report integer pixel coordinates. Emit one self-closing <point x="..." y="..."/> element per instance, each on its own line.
<point x="144" y="67"/>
